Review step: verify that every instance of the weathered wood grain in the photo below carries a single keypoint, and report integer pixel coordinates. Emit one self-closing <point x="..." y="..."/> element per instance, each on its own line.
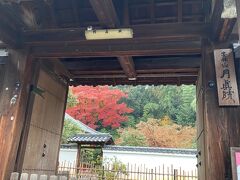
<point x="220" y="126"/>
<point x="12" y="109"/>
<point x="45" y="126"/>
<point x="221" y="28"/>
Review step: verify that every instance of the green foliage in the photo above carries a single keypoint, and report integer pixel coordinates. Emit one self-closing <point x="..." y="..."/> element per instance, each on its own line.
<point x="167" y="104"/>
<point x="158" y="133"/>
<point x="91" y="156"/>
<point x="150" y="110"/>
<point x="132" y="121"/>
<point x="187" y="110"/>
<point x="70" y="129"/>
<point x="138" y="97"/>
<point x="111" y="131"/>
<point x="71" y="100"/>
<point x="176" y="102"/>
<point x="116" y="168"/>
<point x="131" y="137"/>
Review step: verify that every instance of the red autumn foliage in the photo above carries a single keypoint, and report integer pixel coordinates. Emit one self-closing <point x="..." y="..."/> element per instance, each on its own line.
<point x="99" y="103"/>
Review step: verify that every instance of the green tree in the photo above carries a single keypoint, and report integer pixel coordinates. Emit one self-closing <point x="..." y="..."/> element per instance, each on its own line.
<point x="187" y="110"/>
<point x="69" y="129"/>
<point x="116" y="169"/>
<point x="177" y="102"/>
<point x="131" y="122"/>
<point x="151" y="110"/>
<point x="71" y="100"/>
<point x="131" y="137"/>
<point x="138" y="97"/>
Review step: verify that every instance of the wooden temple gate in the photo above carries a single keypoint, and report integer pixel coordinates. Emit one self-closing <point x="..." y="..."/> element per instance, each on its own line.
<point x="173" y="43"/>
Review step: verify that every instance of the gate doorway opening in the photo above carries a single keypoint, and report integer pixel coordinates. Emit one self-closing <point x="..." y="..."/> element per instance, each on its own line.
<point x="154" y="124"/>
<point x="131" y="42"/>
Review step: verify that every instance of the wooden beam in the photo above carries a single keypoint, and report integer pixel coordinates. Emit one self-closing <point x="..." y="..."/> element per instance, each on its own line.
<point x="194" y="71"/>
<point x="115" y="76"/>
<point x="180" y="10"/>
<point x="139" y="81"/>
<point x="118" y="48"/>
<point x="46" y="13"/>
<point x="152" y="32"/>
<point x="221" y="27"/>
<point x="105" y="12"/>
<point x="126" y="20"/>
<point x="15" y="18"/>
<point x="60" y="69"/>
<point x="28" y="16"/>
<point x="127" y="65"/>
<point x="10" y="37"/>
<point x="152" y="10"/>
<point x="75" y="11"/>
<point x="10" y="34"/>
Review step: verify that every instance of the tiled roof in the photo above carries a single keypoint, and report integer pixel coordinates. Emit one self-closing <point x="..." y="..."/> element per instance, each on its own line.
<point x="151" y="150"/>
<point x="102" y="138"/>
<point x="81" y="125"/>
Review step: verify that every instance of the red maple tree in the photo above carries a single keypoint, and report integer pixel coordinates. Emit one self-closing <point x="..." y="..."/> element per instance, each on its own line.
<point x="99" y="103"/>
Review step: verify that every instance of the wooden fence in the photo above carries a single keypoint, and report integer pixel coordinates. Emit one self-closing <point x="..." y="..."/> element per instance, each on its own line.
<point x="88" y="171"/>
<point x="126" y="172"/>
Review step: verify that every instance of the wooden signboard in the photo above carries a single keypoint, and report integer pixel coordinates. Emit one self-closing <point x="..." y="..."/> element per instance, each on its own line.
<point x="235" y="158"/>
<point x="226" y="78"/>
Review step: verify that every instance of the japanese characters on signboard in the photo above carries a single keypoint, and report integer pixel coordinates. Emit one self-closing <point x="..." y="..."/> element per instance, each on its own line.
<point x="226" y="77"/>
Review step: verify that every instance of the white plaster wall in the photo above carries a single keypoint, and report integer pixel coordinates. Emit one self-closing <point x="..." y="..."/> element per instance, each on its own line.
<point x="152" y="160"/>
<point x="68" y="155"/>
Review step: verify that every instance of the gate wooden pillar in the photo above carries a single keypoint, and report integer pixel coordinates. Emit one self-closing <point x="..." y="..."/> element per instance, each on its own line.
<point x="13" y="105"/>
<point x="218" y="127"/>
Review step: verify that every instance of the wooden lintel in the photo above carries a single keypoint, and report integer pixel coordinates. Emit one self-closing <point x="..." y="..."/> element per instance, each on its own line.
<point x="151" y="32"/>
<point x="140" y="71"/>
<point x="105" y="12"/>
<point x="139" y="81"/>
<point x="109" y="76"/>
<point x="221" y="28"/>
<point x="119" y="48"/>
<point x="128" y="66"/>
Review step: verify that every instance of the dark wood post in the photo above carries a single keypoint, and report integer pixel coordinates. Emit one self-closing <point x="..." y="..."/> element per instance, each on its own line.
<point x="13" y="105"/>
<point x="175" y="175"/>
<point x="218" y="127"/>
<point x="78" y="160"/>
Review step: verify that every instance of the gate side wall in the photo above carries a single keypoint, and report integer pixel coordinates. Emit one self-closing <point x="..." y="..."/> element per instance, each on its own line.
<point x="218" y="127"/>
<point x="13" y="103"/>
